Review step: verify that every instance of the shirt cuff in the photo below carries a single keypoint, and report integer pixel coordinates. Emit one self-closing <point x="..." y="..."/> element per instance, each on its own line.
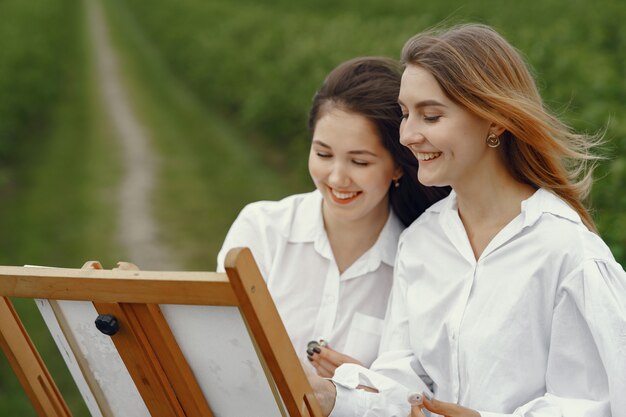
<point x="342" y="407"/>
<point x="349" y="401"/>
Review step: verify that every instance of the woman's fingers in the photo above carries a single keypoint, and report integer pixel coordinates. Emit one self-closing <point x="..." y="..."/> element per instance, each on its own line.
<point x="448" y="409"/>
<point x="331" y="356"/>
<point x="416" y="411"/>
<point x="326" y="360"/>
<point x="415" y="399"/>
<point x="323" y="367"/>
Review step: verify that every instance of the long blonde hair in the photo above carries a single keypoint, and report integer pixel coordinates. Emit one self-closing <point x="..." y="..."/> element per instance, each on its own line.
<point x="480" y="70"/>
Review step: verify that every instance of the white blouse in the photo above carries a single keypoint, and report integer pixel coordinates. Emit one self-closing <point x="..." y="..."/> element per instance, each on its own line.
<point x="535" y="327"/>
<point x="291" y="248"/>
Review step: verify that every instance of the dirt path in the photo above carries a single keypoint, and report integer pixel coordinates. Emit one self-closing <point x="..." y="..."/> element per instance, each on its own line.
<point x="138" y="233"/>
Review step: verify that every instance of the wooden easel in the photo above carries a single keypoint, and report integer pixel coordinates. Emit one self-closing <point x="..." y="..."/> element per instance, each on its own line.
<point x="145" y="341"/>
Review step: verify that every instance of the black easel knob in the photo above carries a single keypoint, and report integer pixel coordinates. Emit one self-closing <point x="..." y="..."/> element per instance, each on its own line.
<point x="107" y="324"/>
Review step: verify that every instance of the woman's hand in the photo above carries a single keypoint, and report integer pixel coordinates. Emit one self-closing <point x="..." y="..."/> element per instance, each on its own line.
<point x="325" y="392"/>
<point x="441" y="408"/>
<point x="325" y="360"/>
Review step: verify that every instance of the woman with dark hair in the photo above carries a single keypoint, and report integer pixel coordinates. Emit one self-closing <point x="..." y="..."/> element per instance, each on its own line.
<point x="327" y="256"/>
<point x="505" y="300"/>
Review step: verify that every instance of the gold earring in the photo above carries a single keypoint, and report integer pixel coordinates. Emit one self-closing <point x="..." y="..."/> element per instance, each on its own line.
<point x="493" y="140"/>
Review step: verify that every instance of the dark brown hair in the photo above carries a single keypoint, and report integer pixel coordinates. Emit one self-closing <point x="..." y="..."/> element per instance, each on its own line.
<point x="369" y="87"/>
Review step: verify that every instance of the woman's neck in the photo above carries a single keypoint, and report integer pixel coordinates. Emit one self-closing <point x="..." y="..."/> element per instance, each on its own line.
<point x="487" y="206"/>
<point x="349" y="240"/>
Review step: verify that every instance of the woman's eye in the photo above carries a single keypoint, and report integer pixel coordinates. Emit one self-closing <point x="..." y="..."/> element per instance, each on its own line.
<point x="323" y="154"/>
<point x="431" y="118"/>
<point x="360" y="163"/>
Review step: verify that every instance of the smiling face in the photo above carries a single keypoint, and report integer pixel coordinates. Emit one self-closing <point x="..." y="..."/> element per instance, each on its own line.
<point x="448" y="141"/>
<point x="350" y="166"/>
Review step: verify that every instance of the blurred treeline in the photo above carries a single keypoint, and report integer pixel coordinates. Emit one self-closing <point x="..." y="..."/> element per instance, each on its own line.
<point x="50" y="166"/>
<point x="37" y="50"/>
<point x="42" y="149"/>
<point x="259" y="63"/>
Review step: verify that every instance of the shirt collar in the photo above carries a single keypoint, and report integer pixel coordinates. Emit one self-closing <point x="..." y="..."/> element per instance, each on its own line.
<point x="308" y="226"/>
<point x="382" y="251"/>
<point x="542" y="201"/>
<point x="387" y="242"/>
<point x="308" y="223"/>
<point x="532" y="210"/>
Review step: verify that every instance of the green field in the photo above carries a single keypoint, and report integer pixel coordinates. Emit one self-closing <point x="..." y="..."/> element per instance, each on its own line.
<point x="224" y="89"/>
<point x="259" y="63"/>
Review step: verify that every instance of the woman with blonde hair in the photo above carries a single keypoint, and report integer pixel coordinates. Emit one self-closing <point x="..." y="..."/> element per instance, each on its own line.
<point x="505" y="300"/>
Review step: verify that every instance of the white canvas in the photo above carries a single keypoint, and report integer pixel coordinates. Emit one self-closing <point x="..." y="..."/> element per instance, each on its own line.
<point x="99" y="354"/>
<point x="213" y="339"/>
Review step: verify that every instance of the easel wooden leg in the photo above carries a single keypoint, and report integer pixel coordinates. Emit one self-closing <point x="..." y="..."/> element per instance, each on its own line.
<point x="28" y="365"/>
<point x="247" y="282"/>
<point x="172" y="360"/>
<point x="155" y="361"/>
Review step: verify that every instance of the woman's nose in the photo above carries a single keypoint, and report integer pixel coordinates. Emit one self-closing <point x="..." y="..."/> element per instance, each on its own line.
<point x="339" y="176"/>
<point x="410" y="134"/>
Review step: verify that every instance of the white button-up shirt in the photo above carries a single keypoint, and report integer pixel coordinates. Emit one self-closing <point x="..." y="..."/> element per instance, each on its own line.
<point x="291" y="248"/>
<point x="535" y="327"/>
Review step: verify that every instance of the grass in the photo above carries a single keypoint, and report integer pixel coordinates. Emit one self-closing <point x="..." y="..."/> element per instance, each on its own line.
<point x="257" y="63"/>
<point x="208" y="169"/>
<point x="58" y="213"/>
<point x="61" y="210"/>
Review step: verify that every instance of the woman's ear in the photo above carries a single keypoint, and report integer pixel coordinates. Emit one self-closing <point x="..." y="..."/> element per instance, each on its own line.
<point x="496" y="128"/>
<point x="397" y="174"/>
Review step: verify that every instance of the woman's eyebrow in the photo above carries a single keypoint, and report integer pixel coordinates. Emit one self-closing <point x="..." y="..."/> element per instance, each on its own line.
<point x="354" y="152"/>
<point x="320" y="143"/>
<point x="429" y="103"/>
<point x="424" y="103"/>
<point x="362" y="152"/>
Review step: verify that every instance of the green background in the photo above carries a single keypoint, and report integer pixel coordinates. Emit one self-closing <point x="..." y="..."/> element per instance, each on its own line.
<point x="224" y="87"/>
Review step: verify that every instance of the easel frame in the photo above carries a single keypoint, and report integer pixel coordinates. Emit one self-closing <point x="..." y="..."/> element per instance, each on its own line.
<point x="145" y="343"/>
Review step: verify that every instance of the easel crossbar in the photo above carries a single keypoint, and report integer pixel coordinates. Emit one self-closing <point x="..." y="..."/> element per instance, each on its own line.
<point x="109" y="286"/>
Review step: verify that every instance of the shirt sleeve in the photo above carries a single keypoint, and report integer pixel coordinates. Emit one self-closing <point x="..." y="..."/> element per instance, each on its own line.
<point x="586" y="370"/>
<point x="389" y="401"/>
<point x="396" y="359"/>
<point x="247" y="231"/>
<point x="394" y="374"/>
<point x="603" y="303"/>
<point x="586" y="374"/>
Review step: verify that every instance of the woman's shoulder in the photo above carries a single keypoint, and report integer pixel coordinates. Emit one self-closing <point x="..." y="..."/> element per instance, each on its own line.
<point x="559" y="226"/>
<point x="265" y="225"/>
<point x="276" y="207"/>
<point x="280" y="215"/>
<point x="425" y="222"/>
